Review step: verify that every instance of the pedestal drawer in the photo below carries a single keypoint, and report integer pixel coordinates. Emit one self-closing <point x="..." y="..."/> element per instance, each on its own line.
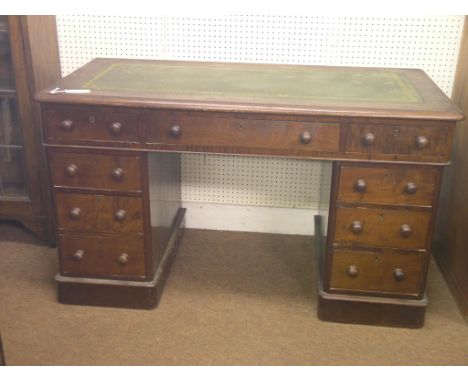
<point x="382" y="227"/>
<point x="95" y="171"/>
<point x="405" y="185"/>
<point x="377" y="272"/>
<point x="99" y="213"/>
<point x="97" y="256"/>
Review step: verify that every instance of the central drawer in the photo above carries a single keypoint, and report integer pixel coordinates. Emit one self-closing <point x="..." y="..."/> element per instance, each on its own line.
<point x="99" y="213"/>
<point x="382" y="227"/>
<point x="207" y="130"/>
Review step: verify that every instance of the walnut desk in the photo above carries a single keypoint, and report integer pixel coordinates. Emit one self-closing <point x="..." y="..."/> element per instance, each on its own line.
<point x="114" y="161"/>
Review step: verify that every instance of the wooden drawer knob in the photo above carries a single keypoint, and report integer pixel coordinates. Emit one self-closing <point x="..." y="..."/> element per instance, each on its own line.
<point x="115" y="128"/>
<point x="353" y="271"/>
<point x="305" y="137"/>
<point x="175" y="131"/>
<point x="398" y="274"/>
<point x="71" y="169"/>
<point x="117" y="174"/>
<point x="356" y="226"/>
<point x="360" y="185"/>
<point x="422" y="142"/>
<point x="120" y="215"/>
<point x="78" y="255"/>
<point x="368" y="139"/>
<point x="66" y="125"/>
<point x="405" y="230"/>
<point x="123" y="258"/>
<point x="75" y="213"/>
<point x="410" y="188"/>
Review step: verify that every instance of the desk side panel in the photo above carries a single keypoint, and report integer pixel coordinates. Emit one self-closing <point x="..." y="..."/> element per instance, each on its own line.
<point x="164" y="181"/>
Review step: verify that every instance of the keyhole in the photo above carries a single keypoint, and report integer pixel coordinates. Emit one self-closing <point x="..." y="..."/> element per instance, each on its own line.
<point x="91" y="119"/>
<point x="381" y="217"/>
<point x="239" y="126"/>
<point x="396" y="132"/>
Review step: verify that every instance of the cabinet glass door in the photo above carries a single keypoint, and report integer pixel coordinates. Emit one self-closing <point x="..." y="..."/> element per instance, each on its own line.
<point x="12" y="179"/>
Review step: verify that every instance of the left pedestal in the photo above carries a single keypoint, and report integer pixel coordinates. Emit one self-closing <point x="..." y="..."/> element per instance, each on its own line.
<point x="119" y="222"/>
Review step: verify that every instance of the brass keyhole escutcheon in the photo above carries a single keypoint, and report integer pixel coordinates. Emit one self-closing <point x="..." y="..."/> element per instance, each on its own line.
<point x="381" y="216"/>
<point x="396" y="132"/>
<point x="91" y="119"/>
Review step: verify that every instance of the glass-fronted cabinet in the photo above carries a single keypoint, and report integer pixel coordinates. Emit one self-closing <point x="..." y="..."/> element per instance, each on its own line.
<point x="29" y="61"/>
<point x="12" y="177"/>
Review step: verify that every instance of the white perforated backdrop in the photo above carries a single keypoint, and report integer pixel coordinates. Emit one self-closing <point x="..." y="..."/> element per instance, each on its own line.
<point x="428" y="43"/>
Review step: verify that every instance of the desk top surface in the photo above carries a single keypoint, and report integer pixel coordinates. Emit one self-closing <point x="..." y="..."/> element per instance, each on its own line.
<point x="264" y="88"/>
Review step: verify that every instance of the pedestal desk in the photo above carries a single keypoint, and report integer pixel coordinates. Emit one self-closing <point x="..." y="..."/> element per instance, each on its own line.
<point x="114" y="130"/>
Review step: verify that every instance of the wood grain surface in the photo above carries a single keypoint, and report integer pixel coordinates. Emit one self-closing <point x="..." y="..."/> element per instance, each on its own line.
<point x="388" y="184"/>
<point x="376" y="272"/>
<point x="101" y="255"/>
<point x="381" y="227"/>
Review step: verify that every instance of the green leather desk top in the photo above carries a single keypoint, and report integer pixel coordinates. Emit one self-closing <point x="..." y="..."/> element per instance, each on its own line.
<point x="283" y="83"/>
<point x="258" y="88"/>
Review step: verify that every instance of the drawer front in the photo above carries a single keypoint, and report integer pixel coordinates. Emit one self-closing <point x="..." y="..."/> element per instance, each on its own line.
<point x="96" y="171"/>
<point x="99" y="213"/>
<point x="101" y="256"/>
<point x="79" y="125"/>
<point x="382" y="227"/>
<point x="198" y="130"/>
<point x="401" y="140"/>
<point x="393" y="185"/>
<point x="368" y="271"/>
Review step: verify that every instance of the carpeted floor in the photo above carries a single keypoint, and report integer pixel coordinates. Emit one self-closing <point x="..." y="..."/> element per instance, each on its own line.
<point x="232" y="299"/>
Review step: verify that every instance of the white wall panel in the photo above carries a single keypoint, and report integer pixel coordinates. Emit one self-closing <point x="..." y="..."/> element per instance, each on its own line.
<point x="428" y="43"/>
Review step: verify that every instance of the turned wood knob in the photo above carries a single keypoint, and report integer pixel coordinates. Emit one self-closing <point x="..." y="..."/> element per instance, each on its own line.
<point x="71" y="169"/>
<point x="175" y="131"/>
<point x="115" y="128"/>
<point x="75" y="213"/>
<point x="421" y="142"/>
<point x="117" y="174"/>
<point x="120" y="215"/>
<point x="368" y="139"/>
<point x="78" y="255"/>
<point x="305" y="137"/>
<point x="360" y="185"/>
<point x="353" y="271"/>
<point x="410" y="188"/>
<point x="398" y="274"/>
<point x="123" y="258"/>
<point x="356" y="226"/>
<point x="405" y="230"/>
<point x="66" y="125"/>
